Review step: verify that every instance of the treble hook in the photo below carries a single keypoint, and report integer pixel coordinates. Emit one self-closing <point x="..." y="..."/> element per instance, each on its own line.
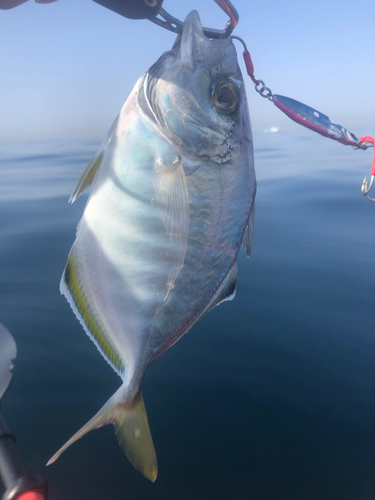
<point x="365" y="188"/>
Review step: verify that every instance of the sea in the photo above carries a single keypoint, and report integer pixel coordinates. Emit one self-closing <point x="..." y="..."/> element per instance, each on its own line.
<point x="269" y="397"/>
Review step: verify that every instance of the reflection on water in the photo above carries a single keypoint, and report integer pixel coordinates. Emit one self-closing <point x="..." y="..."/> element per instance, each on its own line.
<point x="269" y="397"/>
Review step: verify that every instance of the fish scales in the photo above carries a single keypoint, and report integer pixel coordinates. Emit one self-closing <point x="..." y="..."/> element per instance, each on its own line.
<point x="171" y="202"/>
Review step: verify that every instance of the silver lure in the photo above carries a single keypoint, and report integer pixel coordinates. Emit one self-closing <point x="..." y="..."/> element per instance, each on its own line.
<point x="172" y="201"/>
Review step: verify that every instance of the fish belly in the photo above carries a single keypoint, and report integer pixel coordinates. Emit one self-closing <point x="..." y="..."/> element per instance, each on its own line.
<point x="121" y="254"/>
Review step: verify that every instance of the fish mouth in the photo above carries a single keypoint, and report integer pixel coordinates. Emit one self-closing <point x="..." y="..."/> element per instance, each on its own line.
<point x="195" y="46"/>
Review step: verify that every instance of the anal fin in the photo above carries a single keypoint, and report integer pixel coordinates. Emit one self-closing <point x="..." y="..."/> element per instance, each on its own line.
<point x="70" y="286"/>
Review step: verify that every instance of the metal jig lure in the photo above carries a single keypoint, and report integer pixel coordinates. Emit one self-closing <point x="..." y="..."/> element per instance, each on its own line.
<point x="311" y="118"/>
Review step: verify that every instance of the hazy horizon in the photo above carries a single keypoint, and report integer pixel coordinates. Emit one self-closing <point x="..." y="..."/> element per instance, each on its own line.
<point x="68" y="67"/>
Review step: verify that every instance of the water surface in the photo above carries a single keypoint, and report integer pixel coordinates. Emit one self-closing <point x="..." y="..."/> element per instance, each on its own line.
<point x="269" y="397"/>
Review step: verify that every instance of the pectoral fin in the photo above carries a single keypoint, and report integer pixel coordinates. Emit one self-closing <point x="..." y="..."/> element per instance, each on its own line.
<point x="172" y="199"/>
<point x="87" y="177"/>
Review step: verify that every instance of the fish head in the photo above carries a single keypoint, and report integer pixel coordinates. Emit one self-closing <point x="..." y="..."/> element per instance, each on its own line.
<point x="196" y="97"/>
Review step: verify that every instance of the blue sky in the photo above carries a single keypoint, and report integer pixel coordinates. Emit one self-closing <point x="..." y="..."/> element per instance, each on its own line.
<point x="68" y="67"/>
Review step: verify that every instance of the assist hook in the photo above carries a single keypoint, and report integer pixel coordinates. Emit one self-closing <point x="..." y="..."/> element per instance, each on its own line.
<point x="173" y="24"/>
<point x="367" y="188"/>
<point x="153" y="11"/>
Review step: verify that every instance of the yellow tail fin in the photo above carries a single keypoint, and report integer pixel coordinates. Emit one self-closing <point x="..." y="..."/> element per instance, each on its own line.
<point x="132" y="431"/>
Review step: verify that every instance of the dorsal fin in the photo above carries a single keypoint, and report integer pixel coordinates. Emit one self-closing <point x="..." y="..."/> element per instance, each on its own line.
<point x="227" y="291"/>
<point x="249" y="229"/>
<point x="87" y="177"/>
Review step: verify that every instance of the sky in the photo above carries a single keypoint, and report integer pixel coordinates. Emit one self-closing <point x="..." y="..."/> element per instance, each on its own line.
<point x="66" y="68"/>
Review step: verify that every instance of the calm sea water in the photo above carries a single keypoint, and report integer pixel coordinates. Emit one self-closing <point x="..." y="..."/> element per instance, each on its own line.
<point x="269" y="397"/>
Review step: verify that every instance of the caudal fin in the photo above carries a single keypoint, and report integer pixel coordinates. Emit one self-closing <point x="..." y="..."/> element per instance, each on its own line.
<point x="132" y="431"/>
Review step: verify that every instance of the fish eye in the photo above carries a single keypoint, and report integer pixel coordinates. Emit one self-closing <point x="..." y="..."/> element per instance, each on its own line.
<point x="225" y="97"/>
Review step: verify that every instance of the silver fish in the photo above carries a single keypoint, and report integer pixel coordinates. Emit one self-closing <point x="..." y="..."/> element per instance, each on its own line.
<point x="172" y="200"/>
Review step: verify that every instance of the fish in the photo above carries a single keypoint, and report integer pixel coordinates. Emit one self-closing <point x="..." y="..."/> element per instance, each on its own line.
<point x="172" y="201"/>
